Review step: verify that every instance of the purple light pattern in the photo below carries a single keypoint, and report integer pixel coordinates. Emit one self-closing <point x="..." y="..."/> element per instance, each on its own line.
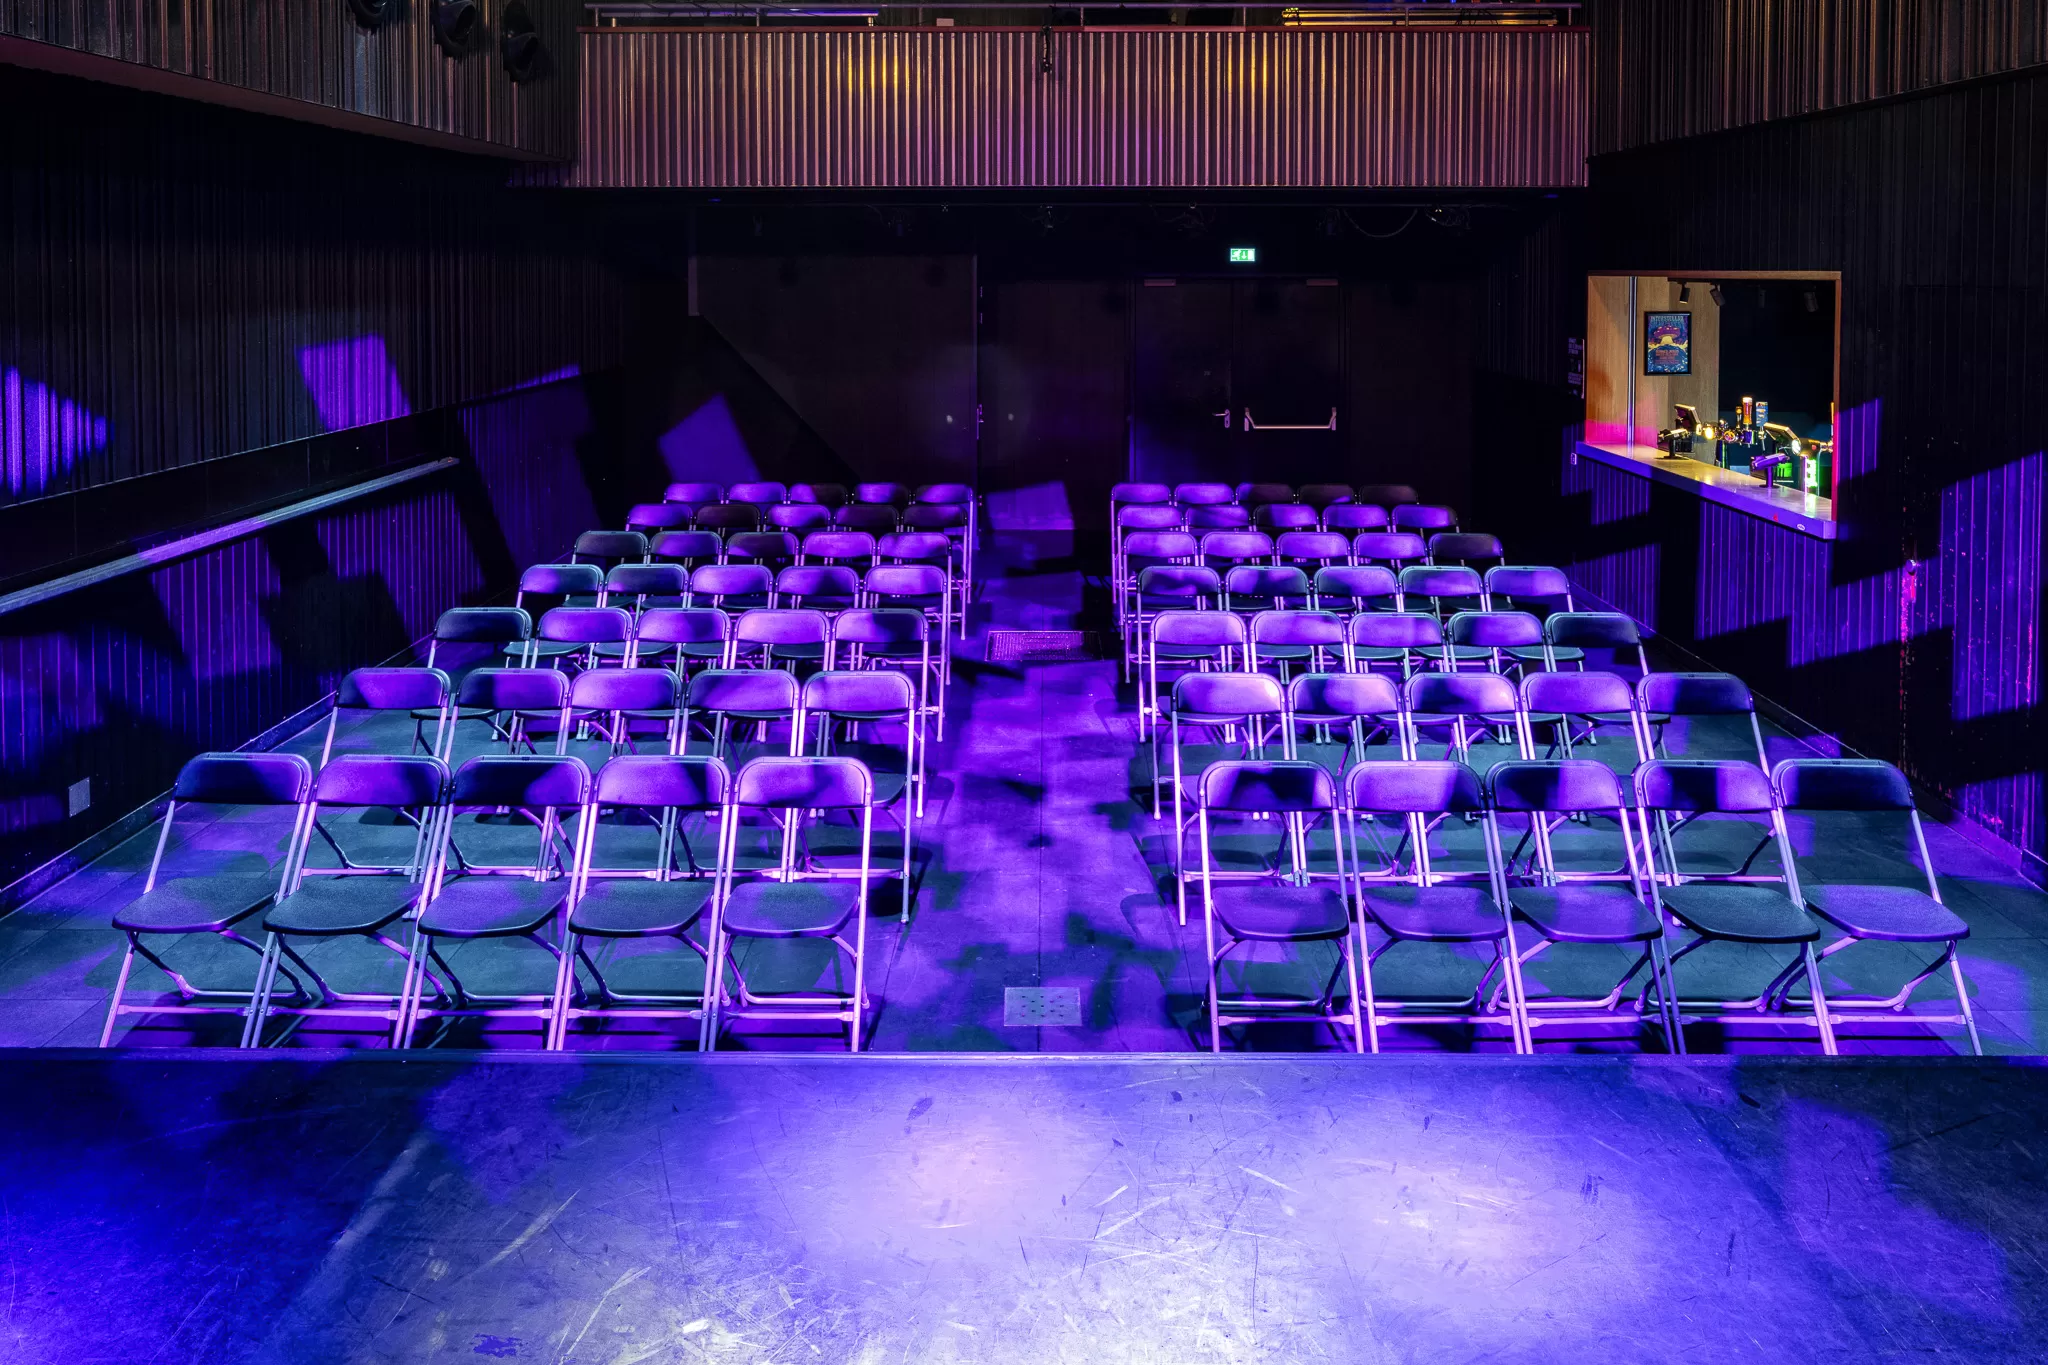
<point x="43" y="435"/>
<point x="353" y="383"/>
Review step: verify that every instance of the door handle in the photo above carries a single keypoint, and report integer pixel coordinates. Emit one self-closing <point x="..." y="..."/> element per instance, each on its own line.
<point x="1250" y="425"/>
<point x="1225" y="415"/>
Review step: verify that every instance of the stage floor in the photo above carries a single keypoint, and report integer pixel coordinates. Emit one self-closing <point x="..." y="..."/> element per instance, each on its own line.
<point x="611" y="1209"/>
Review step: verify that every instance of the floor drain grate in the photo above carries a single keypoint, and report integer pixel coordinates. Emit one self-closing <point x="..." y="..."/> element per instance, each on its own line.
<point x="1042" y="646"/>
<point x="1042" y="1007"/>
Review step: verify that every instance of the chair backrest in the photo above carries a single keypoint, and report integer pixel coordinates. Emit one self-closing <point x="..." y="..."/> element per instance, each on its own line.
<point x="483" y="626"/>
<point x="731" y="580"/>
<point x="1416" y="516"/>
<point x="1695" y="694"/>
<point x="881" y="626"/>
<point x="514" y="689"/>
<point x="398" y="781"/>
<point x="760" y="494"/>
<point x="956" y="494"/>
<point x="1591" y="630"/>
<point x="799" y="516"/>
<point x="664" y="782"/>
<point x="729" y="516"/>
<point x="1493" y="629"/>
<point x="612" y="545"/>
<point x="906" y="580"/>
<point x="1356" y="516"/>
<point x="1558" y="786"/>
<point x="782" y="626"/>
<point x="562" y="580"/>
<point x="934" y="516"/>
<point x="815" y="783"/>
<point x="1573" y="693"/>
<point x="690" y="545"/>
<point x="755" y="690"/>
<point x="1212" y="629"/>
<point x="1385" y="494"/>
<point x="880" y="493"/>
<point x="1358" y="582"/>
<point x="1320" y="495"/>
<point x="1220" y="516"/>
<point x="658" y="516"/>
<point x="245" y="779"/>
<point x="1283" y="786"/>
<point x="1527" y="581"/>
<point x="1694" y="786"/>
<point x="817" y="580"/>
<point x="1265" y="580"/>
<point x="694" y="493"/>
<point x="867" y="693"/>
<point x="1298" y="628"/>
<point x="1239" y="545"/>
<point x="1263" y="494"/>
<point x="1148" y="517"/>
<point x="1393" y="547"/>
<point x="915" y="547"/>
<point x="684" y="626"/>
<point x="839" y="545"/>
<point x="1126" y="493"/>
<point x="1342" y="694"/>
<point x="1161" y="545"/>
<point x="1461" y="546"/>
<point x="1286" y="516"/>
<point x="646" y="580"/>
<point x="1461" y="694"/>
<point x="823" y="494"/>
<point x="1418" y="787"/>
<point x="393" y="689"/>
<point x="1231" y="695"/>
<point x="1323" y="546"/>
<point x="1442" y="580"/>
<point x="625" y="689"/>
<point x="1396" y="630"/>
<point x="1203" y="494"/>
<point x="1828" y="784"/>
<point x="761" y="545"/>
<point x="586" y="625"/>
<point x="523" y="781"/>
<point x="1178" y="580"/>
<point x="867" y="516"/>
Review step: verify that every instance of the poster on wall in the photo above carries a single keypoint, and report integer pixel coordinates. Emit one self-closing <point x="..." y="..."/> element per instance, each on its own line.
<point x="1667" y="343"/>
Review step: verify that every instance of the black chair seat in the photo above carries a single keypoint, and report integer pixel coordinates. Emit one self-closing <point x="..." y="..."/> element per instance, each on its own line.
<point x="461" y="713"/>
<point x="1585" y="914"/>
<point x="330" y="906"/>
<point x="790" y="909"/>
<point x="544" y="649"/>
<point x="195" y="905"/>
<point x="1438" y="914"/>
<point x="493" y="907"/>
<point x="1388" y="654"/>
<point x="617" y="907"/>
<point x="1188" y="651"/>
<point x="1899" y="914"/>
<point x="1741" y="914"/>
<point x="1281" y="914"/>
<point x="1564" y="654"/>
<point x="645" y="649"/>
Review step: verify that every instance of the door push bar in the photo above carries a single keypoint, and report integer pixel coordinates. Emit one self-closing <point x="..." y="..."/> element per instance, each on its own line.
<point x="1250" y="425"/>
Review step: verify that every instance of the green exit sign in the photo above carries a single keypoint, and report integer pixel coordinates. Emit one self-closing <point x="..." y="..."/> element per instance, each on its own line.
<point x="1244" y="255"/>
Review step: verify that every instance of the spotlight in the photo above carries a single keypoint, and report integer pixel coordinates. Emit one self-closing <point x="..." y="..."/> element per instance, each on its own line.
<point x="1812" y="298"/>
<point x="519" y="40"/>
<point x="1684" y="292"/>
<point x="370" y="13"/>
<point x="1714" y="293"/>
<point x="455" y="24"/>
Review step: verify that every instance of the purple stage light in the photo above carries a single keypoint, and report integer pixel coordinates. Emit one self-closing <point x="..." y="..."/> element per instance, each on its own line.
<point x="42" y="434"/>
<point x="708" y="445"/>
<point x="353" y="383"/>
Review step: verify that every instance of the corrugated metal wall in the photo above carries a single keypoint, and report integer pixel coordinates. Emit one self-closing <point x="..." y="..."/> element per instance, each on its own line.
<point x="1674" y="68"/>
<point x="1918" y="636"/>
<point x="314" y="53"/>
<point x="970" y="108"/>
<point x="178" y="283"/>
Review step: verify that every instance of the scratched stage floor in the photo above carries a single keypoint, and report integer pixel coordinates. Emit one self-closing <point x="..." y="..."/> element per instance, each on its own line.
<point x="614" y="1209"/>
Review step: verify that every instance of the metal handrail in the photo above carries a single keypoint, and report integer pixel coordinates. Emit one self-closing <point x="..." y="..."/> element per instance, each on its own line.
<point x="185" y="547"/>
<point x="684" y="9"/>
<point x="1250" y="425"/>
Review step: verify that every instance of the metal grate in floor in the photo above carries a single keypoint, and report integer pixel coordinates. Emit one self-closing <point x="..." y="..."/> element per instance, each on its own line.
<point x="1042" y="646"/>
<point x="1041" y="1007"/>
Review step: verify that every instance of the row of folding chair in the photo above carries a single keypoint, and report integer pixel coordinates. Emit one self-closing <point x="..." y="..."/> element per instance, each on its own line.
<point x="773" y="874"/>
<point x="1349" y="518"/>
<point x="1198" y="494"/>
<point x="770" y="493"/>
<point x="1381" y="873"/>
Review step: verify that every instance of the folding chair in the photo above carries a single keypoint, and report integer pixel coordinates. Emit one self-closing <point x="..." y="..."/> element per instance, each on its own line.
<point x="694" y="494"/>
<point x="677" y="637"/>
<point x="1249" y="588"/>
<point x="770" y="549"/>
<point x="211" y="903"/>
<point x="422" y="693"/>
<point x="1281" y="517"/>
<point x="732" y="588"/>
<point x="1661" y="696"/>
<point x="757" y="494"/>
<point x="471" y="902"/>
<point x="621" y="703"/>
<point x="570" y="584"/>
<point x="690" y="549"/>
<point x="665" y="896"/>
<point x="1396" y="550"/>
<point x="845" y="704"/>
<point x="652" y="518"/>
<point x="1275" y="905"/>
<point x="353" y="899"/>
<point x="1351" y="588"/>
<point x="1565" y="904"/>
<point x="1313" y="551"/>
<point x="1567" y="635"/>
<point x="1424" y="517"/>
<point x="848" y="549"/>
<point x="576" y="636"/>
<point x="1465" y="547"/>
<point x="1489" y="639"/>
<point x="1135" y="494"/>
<point x="799" y="516"/>
<point x="1242" y="711"/>
<point x="881" y="494"/>
<point x="1142" y="550"/>
<point x="822" y="587"/>
<point x="1222" y="516"/>
<point x="497" y="629"/>
<point x="1408" y="639"/>
<point x="1423" y="902"/>
<point x="1191" y="640"/>
<point x="919" y="587"/>
<point x="1263" y="494"/>
<point x="1221" y="550"/>
<point x="1137" y="521"/>
<point x="1350" y="518"/>
<point x="1323" y="495"/>
<point x="1321" y="703"/>
<point x="1296" y="641"/>
<point x="898" y="638"/>
<point x="725" y="697"/>
<point x="824" y="494"/>
<point x="729" y="518"/>
<point x="1866" y="912"/>
<point x="514" y="702"/>
<point x="1203" y="494"/>
<point x="1729" y="906"/>
<point x="1578" y="707"/>
<point x="793" y="898"/>
<point x="1385" y="494"/>
<point x="636" y="587"/>
<point x="1462" y="703"/>
<point x="875" y="518"/>
<point x="1163" y="587"/>
<point x="1524" y="587"/>
<point x="609" y="548"/>
<point x="1437" y="585"/>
